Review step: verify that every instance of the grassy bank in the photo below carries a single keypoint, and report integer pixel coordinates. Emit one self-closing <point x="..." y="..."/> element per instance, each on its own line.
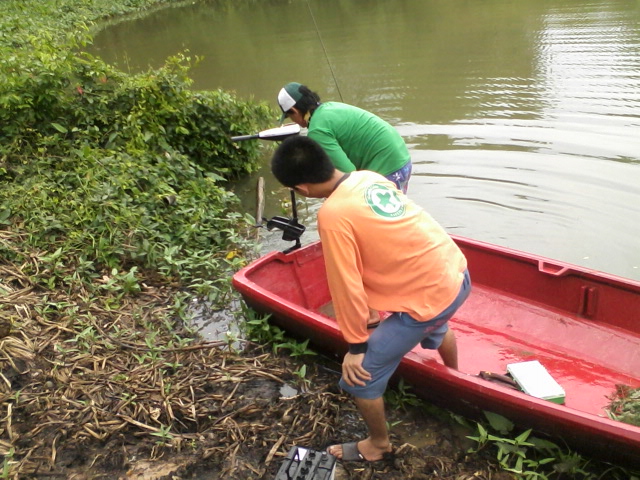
<point x="115" y="170"/>
<point x="113" y="215"/>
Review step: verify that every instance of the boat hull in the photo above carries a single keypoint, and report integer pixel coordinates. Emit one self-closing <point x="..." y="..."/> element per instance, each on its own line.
<point x="582" y="325"/>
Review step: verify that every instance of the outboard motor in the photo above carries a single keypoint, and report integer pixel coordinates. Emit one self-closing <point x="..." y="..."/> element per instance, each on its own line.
<point x="292" y="230"/>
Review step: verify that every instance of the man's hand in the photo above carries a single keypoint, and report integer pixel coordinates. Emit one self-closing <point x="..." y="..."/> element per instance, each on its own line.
<point x="352" y="371"/>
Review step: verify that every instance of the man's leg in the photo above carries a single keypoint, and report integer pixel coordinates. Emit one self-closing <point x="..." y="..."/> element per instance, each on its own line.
<point x="377" y="444"/>
<point x="448" y="350"/>
<point x="388" y="344"/>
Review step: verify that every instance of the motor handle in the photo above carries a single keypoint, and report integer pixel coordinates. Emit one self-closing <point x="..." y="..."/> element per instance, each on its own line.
<point x="240" y="138"/>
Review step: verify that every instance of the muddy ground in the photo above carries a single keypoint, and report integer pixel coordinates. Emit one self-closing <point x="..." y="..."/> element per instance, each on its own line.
<point x="235" y="418"/>
<point x="262" y="425"/>
<point x="203" y="413"/>
<point x="116" y="389"/>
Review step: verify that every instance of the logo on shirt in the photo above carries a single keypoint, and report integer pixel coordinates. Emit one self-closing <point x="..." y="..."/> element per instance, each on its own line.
<point x="384" y="201"/>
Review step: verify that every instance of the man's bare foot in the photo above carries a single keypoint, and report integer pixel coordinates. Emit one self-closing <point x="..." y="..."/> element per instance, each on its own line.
<point x="364" y="450"/>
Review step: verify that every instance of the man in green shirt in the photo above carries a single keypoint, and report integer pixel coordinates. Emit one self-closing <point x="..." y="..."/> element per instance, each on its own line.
<point x="353" y="138"/>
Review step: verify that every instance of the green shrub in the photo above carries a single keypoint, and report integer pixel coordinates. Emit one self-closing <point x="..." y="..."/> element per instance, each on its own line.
<point x="116" y="171"/>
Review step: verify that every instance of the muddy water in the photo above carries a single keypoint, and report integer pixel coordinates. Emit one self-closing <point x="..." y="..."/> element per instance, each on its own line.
<point x="523" y="118"/>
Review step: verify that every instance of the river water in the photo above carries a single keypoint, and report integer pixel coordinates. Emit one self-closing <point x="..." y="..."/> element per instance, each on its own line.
<point x="522" y="116"/>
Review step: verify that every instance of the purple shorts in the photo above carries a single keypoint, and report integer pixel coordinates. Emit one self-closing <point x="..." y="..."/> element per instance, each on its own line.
<point x="401" y="177"/>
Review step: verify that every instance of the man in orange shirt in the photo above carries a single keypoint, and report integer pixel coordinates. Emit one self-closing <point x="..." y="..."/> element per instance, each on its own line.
<point x="383" y="253"/>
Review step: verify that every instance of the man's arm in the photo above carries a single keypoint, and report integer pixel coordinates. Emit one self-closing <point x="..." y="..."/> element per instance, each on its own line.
<point x="344" y="276"/>
<point x="330" y="145"/>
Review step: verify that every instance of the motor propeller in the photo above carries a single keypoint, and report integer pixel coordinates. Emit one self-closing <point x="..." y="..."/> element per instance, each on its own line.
<point x="292" y="230"/>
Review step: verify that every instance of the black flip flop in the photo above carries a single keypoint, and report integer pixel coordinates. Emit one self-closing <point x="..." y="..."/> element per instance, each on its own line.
<point x="350" y="453"/>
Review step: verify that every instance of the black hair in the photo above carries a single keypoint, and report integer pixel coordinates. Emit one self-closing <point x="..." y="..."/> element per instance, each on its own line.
<point x="309" y="101"/>
<point x="300" y="160"/>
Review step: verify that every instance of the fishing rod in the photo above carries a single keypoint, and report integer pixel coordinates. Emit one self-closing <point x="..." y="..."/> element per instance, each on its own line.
<point x="326" y="56"/>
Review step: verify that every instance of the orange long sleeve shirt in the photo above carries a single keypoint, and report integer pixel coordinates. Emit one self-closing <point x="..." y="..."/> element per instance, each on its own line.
<point x="384" y="252"/>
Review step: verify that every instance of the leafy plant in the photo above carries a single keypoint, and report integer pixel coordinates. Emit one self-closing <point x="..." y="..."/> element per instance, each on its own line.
<point x="6" y="463"/>
<point x="301" y="373"/>
<point x="533" y="458"/>
<point x="164" y="434"/>
<point x="258" y="329"/>
<point x="625" y="405"/>
<point x="295" y="348"/>
<point x="401" y="397"/>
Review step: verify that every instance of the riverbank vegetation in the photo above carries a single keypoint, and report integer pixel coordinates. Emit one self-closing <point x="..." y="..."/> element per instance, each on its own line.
<point x="114" y="216"/>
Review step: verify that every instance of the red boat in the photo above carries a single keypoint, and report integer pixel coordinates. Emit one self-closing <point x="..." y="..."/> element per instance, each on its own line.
<point x="581" y="325"/>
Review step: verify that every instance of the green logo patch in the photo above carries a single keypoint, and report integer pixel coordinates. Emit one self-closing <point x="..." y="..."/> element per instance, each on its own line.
<point x="384" y="201"/>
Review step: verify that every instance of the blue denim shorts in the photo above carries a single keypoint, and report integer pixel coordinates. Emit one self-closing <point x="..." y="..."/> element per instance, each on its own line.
<point x="401" y="177"/>
<point x="398" y="335"/>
